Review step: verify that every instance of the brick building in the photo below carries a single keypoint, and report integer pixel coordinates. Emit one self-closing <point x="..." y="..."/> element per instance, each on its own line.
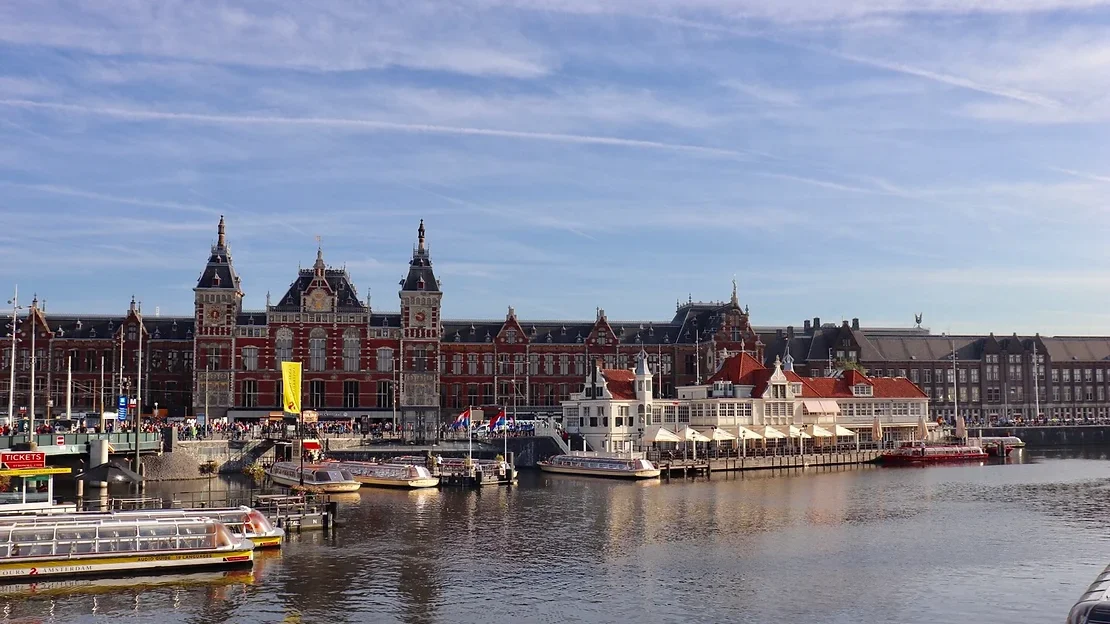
<point x="224" y="360"/>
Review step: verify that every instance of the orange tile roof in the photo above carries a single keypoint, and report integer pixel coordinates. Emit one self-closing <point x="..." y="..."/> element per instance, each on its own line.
<point x="621" y="383"/>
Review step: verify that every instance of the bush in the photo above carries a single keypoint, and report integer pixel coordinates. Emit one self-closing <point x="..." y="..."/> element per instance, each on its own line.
<point x="255" y="471"/>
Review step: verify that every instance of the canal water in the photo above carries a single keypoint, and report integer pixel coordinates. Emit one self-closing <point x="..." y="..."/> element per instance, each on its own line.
<point x="1013" y="542"/>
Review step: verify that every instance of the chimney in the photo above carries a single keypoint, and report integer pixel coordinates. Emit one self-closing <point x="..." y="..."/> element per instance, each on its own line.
<point x="844" y="323"/>
<point x="806" y="327"/>
<point x="599" y="363"/>
<point x="816" y="323"/>
<point x="855" y="324"/>
<point x="790" y="333"/>
<point x="778" y="334"/>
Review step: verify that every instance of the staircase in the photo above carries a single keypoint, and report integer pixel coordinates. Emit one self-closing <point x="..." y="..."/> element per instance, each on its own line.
<point x="251" y="453"/>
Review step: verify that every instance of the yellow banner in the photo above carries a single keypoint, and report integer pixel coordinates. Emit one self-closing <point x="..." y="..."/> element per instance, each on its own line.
<point x="34" y="472"/>
<point x="291" y="386"/>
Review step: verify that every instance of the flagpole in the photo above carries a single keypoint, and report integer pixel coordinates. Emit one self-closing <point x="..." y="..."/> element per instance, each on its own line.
<point x="469" y="437"/>
<point x="300" y="420"/>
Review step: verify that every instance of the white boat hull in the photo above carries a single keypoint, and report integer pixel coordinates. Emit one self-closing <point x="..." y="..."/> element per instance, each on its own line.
<point x="598" y="472"/>
<point x="327" y="488"/>
<point x="397" y="483"/>
<point x="120" y="564"/>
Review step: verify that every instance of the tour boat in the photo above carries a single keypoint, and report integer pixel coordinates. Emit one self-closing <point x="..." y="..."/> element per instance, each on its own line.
<point x="242" y="521"/>
<point x="325" y="477"/>
<point x="601" y="465"/>
<point x="33" y="548"/>
<point x="124" y="584"/>
<point x="388" y="475"/>
<point x="931" y="453"/>
<point x="1094" y="605"/>
<point x="457" y="465"/>
<point x="992" y="444"/>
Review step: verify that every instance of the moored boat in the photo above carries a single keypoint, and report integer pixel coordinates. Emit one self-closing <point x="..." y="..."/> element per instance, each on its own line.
<point x="494" y="472"/>
<point x="325" y="477"/>
<point x="242" y="521"/>
<point x="933" y="453"/>
<point x="1000" y="446"/>
<point x="60" y="547"/>
<point x="1094" y="605"/>
<point x="622" y="466"/>
<point x="388" y="475"/>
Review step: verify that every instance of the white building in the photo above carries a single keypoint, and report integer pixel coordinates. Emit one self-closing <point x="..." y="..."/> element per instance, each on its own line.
<point x="610" y="411"/>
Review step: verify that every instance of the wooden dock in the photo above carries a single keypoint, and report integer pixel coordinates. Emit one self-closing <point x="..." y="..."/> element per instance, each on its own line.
<point x="706" y="466"/>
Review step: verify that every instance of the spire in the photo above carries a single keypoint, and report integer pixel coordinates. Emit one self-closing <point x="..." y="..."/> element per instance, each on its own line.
<point x="133" y="309"/>
<point x="420" y="275"/>
<point x="420" y="237"/>
<point x="734" y="301"/>
<point x="267" y="298"/>
<point x="221" y="234"/>
<point x="319" y="265"/>
<point x="642" y="363"/>
<point x="35" y="301"/>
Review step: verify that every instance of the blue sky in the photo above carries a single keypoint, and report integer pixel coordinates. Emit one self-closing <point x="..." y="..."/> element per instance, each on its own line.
<point x="871" y="159"/>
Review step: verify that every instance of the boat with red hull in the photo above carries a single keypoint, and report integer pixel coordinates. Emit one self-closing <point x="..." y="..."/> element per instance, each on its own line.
<point x="933" y="453"/>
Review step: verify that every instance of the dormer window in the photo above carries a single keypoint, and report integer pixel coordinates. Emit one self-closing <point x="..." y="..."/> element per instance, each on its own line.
<point x="510" y="336"/>
<point x="796" y="389"/>
<point x="861" y="390"/>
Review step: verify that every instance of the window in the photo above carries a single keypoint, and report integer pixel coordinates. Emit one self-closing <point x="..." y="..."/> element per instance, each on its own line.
<point x="250" y="359"/>
<point x="250" y="393"/>
<point x="1088" y="374"/>
<point x="132" y="331"/>
<point x="317" y="350"/>
<point x="992" y="372"/>
<point x="974" y="393"/>
<point x="690" y="364"/>
<point x="487" y="394"/>
<point x="963" y="375"/>
<point x="1067" y="393"/>
<point x="351" y="350"/>
<point x="994" y="395"/>
<point x="510" y="336"/>
<point x="385" y="360"/>
<point x="1089" y="393"/>
<point x="533" y="364"/>
<point x="928" y="375"/>
<point x="420" y="358"/>
<point x="283" y="347"/>
<point x="456" y="364"/>
<point x="992" y="359"/>
<point x="975" y="375"/>
<point x="1055" y="375"/>
<point x="1098" y="375"/>
<point x="384" y="397"/>
<point x="1067" y="375"/>
<point x="471" y="363"/>
<point x="1056" y="394"/>
<point x="564" y="364"/>
<point x="913" y="375"/>
<point x="549" y="365"/>
<point x="487" y="364"/>
<point x="350" y="394"/>
<point x="316" y="394"/>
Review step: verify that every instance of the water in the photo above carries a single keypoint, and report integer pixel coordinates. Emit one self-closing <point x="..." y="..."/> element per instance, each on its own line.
<point x="994" y="543"/>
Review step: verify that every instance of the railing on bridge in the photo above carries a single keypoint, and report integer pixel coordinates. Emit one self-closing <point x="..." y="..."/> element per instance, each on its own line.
<point x="75" y="442"/>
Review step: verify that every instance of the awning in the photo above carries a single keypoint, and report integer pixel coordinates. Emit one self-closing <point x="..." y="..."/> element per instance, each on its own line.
<point x="821" y="406"/>
<point x="841" y="431"/>
<point x="311" y="445"/>
<point x="820" y="432"/>
<point x="794" y="432"/>
<point x="692" y="435"/>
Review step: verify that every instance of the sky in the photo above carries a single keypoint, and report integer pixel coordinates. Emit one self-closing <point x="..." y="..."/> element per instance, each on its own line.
<point x="868" y="159"/>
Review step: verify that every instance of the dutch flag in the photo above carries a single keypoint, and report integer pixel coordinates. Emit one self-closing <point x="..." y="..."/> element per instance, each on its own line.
<point x="462" y="421"/>
<point x="498" y="421"/>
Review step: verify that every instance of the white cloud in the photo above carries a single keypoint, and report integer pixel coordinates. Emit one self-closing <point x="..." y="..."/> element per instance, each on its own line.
<point x="763" y="92"/>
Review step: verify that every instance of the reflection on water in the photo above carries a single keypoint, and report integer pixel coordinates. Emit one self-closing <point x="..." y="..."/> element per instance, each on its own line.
<point x="1013" y="540"/>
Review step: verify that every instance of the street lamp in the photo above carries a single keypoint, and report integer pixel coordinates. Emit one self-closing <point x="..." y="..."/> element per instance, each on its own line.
<point x="13" y="327"/>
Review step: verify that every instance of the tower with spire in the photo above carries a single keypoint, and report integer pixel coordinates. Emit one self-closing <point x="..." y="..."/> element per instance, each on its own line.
<point x="421" y="330"/>
<point x="217" y="302"/>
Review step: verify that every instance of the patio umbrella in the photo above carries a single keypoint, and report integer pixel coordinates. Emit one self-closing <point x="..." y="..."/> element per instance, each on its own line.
<point x="717" y="434"/>
<point x="922" y="428"/>
<point x="961" y="427"/>
<point x="843" y="432"/>
<point x="655" y="435"/>
<point x="770" y="433"/>
<point x="746" y="434"/>
<point x="877" y="430"/>
<point x="109" y="473"/>
<point x="692" y="435"/>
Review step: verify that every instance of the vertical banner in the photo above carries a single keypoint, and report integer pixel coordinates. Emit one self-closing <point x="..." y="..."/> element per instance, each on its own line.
<point x="291" y="386"/>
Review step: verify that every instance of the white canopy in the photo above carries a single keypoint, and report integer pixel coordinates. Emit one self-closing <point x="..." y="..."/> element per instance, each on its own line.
<point x="717" y="434"/>
<point x="842" y="431"/>
<point x="659" y="434"/>
<point x="961" y="427"/>
<point x="748" y="434"/>
<point x="922" y="428"/>
<point x="820" y="432"/>
<point x="692" y="435"/>
<point x="795" y="432"/>
<point x="771" y="433"/>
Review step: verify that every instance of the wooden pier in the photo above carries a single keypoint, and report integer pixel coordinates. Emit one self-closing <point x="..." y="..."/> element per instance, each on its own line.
<point x="685" y="467"/>
<point x="688" y="467"/>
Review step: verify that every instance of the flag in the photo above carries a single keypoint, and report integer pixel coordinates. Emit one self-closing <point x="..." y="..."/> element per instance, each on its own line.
<point x="512" y="418"/>
<point x="462" y="420"/>
<point x="498" y="421"/>
<point x="291" y="387"/>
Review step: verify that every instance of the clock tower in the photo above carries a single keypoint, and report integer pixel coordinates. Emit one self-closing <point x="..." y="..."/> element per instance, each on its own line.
<point x="217" y="302"/>
<point x="421" y="328"/>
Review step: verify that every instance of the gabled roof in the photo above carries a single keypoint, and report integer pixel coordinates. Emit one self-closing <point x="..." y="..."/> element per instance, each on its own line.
<point x="1071" y="349"/>
<point x="338" y="281"/>
<point x="621" y="383"/>
<point x="739" y="369"/>
<point x="92" y="327"/>
<point x="219" y="272"/>
<point x="881" y="387"/>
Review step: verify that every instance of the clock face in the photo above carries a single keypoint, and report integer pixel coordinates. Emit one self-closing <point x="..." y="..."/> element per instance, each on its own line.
<point x="420" y="317"/>
<point x="212" y="313"/>
<point x="317" y="301"/>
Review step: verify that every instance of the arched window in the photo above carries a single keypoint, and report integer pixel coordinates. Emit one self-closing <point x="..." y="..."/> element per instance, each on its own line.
<point x="385" y="360"/>
<point x="317" y="350"/>
<point x="351" y="349"/>
<point x="283" y="345"/>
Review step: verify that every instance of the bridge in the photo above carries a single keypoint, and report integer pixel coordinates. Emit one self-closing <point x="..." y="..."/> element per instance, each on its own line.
<point x="63" y="444"/>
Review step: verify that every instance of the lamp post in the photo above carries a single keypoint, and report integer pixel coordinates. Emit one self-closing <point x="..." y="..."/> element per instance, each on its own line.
<point x="14" y="301"/>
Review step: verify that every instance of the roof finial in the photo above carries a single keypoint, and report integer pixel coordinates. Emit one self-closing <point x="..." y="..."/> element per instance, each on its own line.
<point x="734" y="302"/>
<point x="420" y="237"/>
<point x="221" y="237"/>
<point x="132" y="303"/>
<point x="35" y="301"/>
<point x="267" y="298"/>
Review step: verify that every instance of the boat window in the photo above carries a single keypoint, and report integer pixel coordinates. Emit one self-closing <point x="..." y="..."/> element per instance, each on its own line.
<point x="223" y="537"/>
<point x="345" y="476"/>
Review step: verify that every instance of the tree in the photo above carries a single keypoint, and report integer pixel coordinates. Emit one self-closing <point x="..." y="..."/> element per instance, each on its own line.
<point x="846" y="365"/>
